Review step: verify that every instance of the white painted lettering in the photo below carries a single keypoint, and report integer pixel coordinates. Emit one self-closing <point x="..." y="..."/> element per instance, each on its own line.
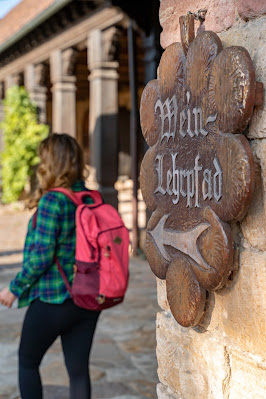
<point x="197" y="169"/>
<point x="198" y="113"/>
<point x="159" y="169"/>
<point x="189" y="131"/>
<point x="183" y="119"/>
<point x="169" y="119"/>
<point x="175" y="180"/>
<point x="168" y="112"/>
<point x="207" y="184"/>
<point x="169" y="179"/>
<point x="183" y="174"/>
<point x="186" y="182"/>
<point x="190" y="187"/>
<point x="217" y="180"/>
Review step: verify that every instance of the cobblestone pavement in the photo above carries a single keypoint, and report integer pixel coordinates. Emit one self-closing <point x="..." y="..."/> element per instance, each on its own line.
<point x="123" y="359"/>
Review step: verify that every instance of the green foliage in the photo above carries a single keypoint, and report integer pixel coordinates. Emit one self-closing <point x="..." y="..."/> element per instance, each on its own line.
<point x="22" y="134"/>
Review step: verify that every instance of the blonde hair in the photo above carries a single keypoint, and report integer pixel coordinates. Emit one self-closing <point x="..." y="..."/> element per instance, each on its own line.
<point x="61" y="165"/>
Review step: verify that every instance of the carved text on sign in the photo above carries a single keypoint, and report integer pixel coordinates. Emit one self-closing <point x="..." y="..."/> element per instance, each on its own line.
<point x="185" y="182"/>
<point x="169" y="118"/>
<point x="198" y="173"/>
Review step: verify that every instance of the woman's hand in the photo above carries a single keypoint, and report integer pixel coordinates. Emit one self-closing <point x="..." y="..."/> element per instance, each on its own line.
<point x="7" y="297"/>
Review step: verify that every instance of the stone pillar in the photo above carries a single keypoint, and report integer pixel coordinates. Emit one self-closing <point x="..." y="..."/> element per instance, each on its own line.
<point x="103" y="123"/>
<point x="9" y="82"/>
<point x="2" y="94"/>
<point x="18" y="79"/>
<point x="64" y="91"/>
<point x="1" y="118"/>
<point x="36" y="86"/>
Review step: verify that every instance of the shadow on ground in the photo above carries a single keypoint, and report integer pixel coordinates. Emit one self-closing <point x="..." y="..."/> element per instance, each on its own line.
<point x="12" y="252"/>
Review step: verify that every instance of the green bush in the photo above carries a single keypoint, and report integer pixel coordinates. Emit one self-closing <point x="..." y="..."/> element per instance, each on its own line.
<point x="22" y="134"/>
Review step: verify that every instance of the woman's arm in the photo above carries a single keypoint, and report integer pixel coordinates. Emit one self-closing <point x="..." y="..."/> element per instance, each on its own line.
<point x="39" y="257"/>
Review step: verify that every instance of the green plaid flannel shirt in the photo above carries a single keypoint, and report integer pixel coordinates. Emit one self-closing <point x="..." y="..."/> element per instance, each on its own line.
<point x="54" y="234"/>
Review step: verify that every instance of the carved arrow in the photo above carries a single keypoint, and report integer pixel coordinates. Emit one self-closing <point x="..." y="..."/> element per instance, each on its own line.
<point x="185" y="242"/>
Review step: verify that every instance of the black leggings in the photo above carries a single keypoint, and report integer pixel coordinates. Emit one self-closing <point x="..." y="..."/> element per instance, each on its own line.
<point x="43" y="323"/>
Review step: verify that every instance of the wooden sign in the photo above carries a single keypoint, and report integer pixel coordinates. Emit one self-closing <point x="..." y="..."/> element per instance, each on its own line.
<point x="198" y="173"/>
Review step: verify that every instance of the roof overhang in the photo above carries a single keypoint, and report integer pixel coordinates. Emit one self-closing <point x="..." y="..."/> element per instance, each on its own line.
<point x="34" y="23"/>
<point x="53" y="18"/>
<point x="40" y="19"/>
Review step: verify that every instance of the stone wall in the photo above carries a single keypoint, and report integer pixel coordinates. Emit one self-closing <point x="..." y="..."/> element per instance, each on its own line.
<point x="225" y="356"/>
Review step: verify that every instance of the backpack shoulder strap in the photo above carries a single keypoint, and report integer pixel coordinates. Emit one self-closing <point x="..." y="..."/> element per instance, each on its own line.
<point x="78" y="196"/>
<point x="63" y="274"/>
<point x="59" y="267"/>
<point x="95" y="195"/>
<point x="70" y="194"/>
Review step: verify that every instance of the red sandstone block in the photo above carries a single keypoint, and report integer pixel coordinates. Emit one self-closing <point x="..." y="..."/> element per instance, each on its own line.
<point x="220" y="16"/>
<point x="251" y="8"/>
<point x="170" y="11"/>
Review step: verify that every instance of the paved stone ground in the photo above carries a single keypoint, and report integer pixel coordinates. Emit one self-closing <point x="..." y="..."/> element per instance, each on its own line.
<point x="123" y="359"/>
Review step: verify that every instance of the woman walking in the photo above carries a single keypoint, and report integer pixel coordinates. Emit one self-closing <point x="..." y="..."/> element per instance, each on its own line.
<point x="39" y="285"/>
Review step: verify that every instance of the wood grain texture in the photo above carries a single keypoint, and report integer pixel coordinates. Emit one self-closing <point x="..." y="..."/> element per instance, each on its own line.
<point x="200" y="58"/>
<point x="185" y="296"/>
<point x="148" y="180"/>
<point x="232" y="89"/>
<point x="158" y="263"/>
<point x="150" y="121"/>
<point x="171" y="72"/>
<point x="187" y="31"/>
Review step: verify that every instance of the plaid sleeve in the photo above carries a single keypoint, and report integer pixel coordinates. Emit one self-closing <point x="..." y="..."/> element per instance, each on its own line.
<point x="42" y="249"/>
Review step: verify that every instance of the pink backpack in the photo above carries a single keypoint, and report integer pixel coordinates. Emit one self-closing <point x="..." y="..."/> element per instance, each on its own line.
<point x="101" y="260"/>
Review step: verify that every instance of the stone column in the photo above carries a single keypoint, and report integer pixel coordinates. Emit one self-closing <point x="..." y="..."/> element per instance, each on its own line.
<point x="9" y="82"/>
<point x="64" y="91"/>
<point x="18" y="79"/>
<point x="2" y="95"/>
<point x="103" y="122"/>
<point x="35" y="83"/>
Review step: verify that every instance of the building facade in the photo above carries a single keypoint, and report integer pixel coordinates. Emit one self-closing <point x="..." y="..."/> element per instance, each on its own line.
<point x="73" y="58"/>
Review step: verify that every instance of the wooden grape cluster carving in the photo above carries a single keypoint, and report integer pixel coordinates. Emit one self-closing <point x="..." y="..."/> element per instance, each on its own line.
<point x="198" y="173"/>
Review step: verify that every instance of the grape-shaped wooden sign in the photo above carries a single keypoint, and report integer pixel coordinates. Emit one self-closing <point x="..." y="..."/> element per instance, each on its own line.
<point x="198" y="173"/>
